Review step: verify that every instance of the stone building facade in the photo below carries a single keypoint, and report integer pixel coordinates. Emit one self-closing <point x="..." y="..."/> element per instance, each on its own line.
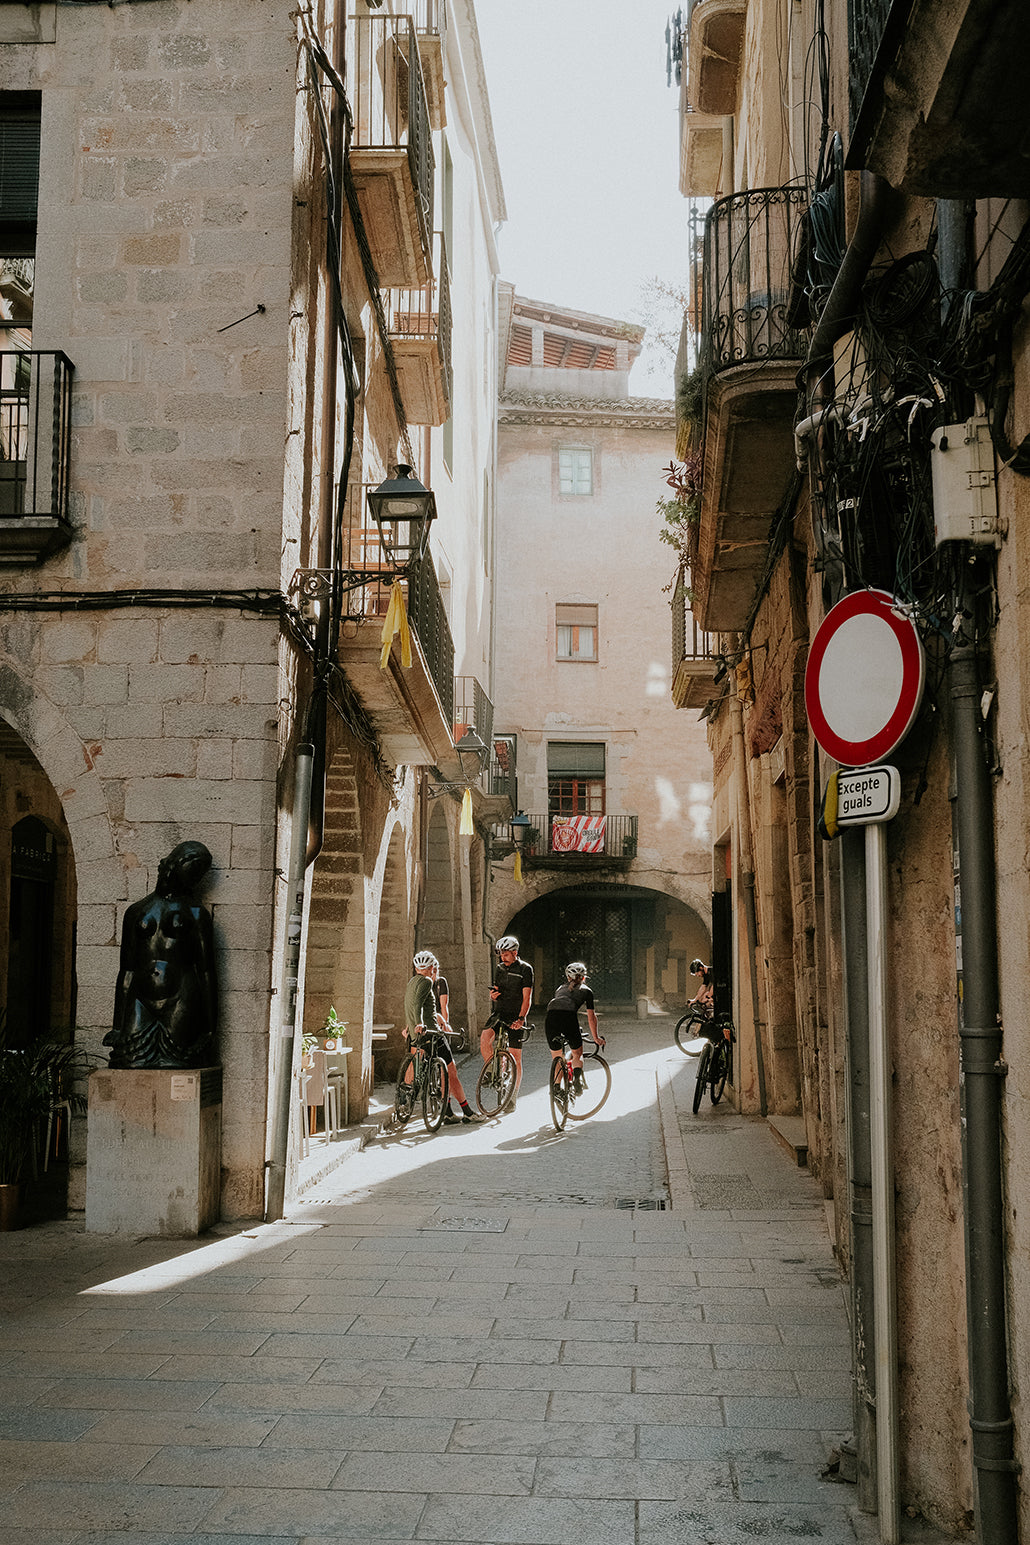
<point x="226" y="309"/>
<point x="853" y="419"/>
<point x="581" y="685"/>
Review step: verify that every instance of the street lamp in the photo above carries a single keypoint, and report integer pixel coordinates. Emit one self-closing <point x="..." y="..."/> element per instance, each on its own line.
<point x="472" y="755"/>
<point x="403" y="510"/>
<point x="518" y="830"/>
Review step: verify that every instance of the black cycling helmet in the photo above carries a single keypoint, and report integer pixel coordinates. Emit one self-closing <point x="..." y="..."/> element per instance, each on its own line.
<point x="696" y="966"/>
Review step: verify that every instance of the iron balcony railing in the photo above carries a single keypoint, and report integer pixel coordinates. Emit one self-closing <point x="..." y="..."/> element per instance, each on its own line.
<point x="472" y="709"/>
<point x="362" y="555"/>
<point x="867" y="24"/>
<point x="504" y="768"/>
<point x="388" y="100"/>
<point x="424" y="312"/>
<point x="549" y="837"/>
<point x="35" y="433"/>
<point x="749" y="241"/>
<point x="690" y="642"/>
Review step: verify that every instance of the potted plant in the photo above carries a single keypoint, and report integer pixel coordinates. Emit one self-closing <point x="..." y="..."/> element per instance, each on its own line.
<point x="333" y="1032"/>
<point x="32" y="1079"/>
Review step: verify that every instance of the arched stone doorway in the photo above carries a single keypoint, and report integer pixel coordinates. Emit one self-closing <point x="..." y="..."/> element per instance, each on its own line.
<point x="37" y="902"/>
<point x="637" y="943"/>
<point x="393" y="954"/>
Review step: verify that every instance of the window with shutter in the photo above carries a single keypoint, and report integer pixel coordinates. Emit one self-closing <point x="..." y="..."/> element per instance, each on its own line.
<point x="576" y="632"/>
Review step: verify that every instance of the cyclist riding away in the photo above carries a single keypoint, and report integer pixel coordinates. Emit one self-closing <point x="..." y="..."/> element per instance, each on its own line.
<point x="420" y="1015"/>
<point x="512" y="998"/>
<point x="562" y="1021"/>
<point x="706" y="992"/>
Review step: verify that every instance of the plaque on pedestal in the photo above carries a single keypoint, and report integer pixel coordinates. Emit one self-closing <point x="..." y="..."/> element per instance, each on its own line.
<point x="153" y="1151"/>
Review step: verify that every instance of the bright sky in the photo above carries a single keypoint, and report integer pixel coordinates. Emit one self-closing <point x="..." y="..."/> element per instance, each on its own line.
<point x="587" y="138"/>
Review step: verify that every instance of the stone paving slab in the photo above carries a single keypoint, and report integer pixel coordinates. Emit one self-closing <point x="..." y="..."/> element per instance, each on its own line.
<point x="469" y="1340"/>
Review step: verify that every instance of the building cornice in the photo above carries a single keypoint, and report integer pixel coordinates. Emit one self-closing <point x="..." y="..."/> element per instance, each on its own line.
<point x="579" y="412"/>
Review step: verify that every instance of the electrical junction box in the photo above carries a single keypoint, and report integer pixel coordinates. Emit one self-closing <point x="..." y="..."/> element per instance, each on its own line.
<point x="965" y="499"/>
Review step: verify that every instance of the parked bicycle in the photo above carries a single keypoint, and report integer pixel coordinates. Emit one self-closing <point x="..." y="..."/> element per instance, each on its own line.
<point x="566" y="1103"/>
<point x="422" y="1077"/>
<point x="499" y="1079"/>
<point x="691" y="1026"/>
<point x="715" y="1064"/>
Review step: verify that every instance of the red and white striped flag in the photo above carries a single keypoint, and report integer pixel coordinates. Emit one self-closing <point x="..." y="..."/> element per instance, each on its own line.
<point x="578" y="833"/>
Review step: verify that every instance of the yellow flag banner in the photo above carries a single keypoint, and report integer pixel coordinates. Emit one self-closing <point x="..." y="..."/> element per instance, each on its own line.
<point x="396" y="622"/>
<point x="518" y="868"/>
<point x="465" y="826"/>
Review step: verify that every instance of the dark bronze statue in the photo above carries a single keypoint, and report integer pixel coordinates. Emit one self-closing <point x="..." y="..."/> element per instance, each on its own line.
<point x="166" y="999"/>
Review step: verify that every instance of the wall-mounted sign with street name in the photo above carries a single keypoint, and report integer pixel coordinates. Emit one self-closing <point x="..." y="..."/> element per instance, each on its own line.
<point x="867" y="795"/>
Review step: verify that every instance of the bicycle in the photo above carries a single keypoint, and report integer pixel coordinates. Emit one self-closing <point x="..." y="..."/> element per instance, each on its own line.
<point x="428" y="1081"/>
<point x="562" y="1094"/>
<point x="692" y="1025"/>
<point x="499" y="1079"/>
<point x="715" y="1063"/>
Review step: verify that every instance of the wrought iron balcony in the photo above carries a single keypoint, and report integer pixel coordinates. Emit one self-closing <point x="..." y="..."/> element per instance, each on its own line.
<point x="430" y="21"/>
<point x="696" y="655"/>
<point x="413" y="710"/>
<point x="749" y="240"/>
<point x="750" y="355"/>
<point x="939" y="105"/>
<point x="420" y="334"/>
<point x="391" y="150"/>
<point x="551" y="840"/>
<point x="35" y="438"/>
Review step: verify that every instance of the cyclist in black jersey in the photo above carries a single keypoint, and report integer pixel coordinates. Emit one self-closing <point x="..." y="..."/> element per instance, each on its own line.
<point x="511" y="998"/>
<point x="562" y="1021"/>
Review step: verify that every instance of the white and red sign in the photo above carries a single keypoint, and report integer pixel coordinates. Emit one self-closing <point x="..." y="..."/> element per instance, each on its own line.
<point x="578" y="833"/>
<point x="864" y="678"/>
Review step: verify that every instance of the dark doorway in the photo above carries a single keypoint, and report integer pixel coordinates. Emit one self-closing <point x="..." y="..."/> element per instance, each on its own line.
<point x="599" y="933"/>
<point x="30" y="941"/>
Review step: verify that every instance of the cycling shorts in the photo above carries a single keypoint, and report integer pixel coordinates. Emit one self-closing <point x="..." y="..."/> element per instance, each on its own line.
<point x="514" y="1036"/>
<point x="443" y="1050"/>
<point x="559" y="1028"/>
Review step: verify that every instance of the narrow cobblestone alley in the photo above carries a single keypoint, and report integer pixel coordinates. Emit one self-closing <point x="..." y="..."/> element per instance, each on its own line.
<point x="495" y="1335"/>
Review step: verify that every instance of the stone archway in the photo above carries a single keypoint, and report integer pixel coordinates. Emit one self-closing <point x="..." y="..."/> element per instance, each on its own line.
<point x="637" y="942"/>
<point x="335" y="959"/>
<point x="393" y="953"/>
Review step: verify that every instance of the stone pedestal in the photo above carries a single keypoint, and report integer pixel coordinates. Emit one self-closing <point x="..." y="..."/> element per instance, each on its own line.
<point x="153" y="1151"/>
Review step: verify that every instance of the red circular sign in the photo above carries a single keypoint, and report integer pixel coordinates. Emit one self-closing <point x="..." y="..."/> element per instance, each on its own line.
<point x="864" y="679"/>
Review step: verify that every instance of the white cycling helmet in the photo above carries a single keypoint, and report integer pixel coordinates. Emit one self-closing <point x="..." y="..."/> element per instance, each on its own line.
<point x="424" y="959"/>
<point x="575" y="968"/>
<point x="507" y="942"/>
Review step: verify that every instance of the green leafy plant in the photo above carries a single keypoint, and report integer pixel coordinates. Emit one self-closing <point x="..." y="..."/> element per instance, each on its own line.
<point x="31" y="1079"/>
<point x="682" y="512"/>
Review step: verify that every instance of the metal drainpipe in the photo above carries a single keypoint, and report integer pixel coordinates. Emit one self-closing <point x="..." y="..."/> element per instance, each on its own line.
<point x="990" y="1413"/>
<point x="980" y="1040"/>
<point x="860" y="1175"/>
<point x="289" y="983"/>
<point x="747" y="880"/>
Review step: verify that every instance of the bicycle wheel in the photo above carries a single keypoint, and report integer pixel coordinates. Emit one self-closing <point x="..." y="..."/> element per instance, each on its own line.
<point x="404" y="1099"/>
<point x="597" y="1086"/>
<point x="496" y="1084"/>
<point x="685" y="1032"/>
<point x="702" y="1075"/>
<point x="434" y="1094"/>
<point x="720" y="1071"/>
<point x="558" y="1092"/>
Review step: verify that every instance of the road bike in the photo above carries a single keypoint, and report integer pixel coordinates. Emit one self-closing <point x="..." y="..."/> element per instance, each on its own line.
<point x="715" y="1063"/>
<point x="422" y="1076"/>
<point x="499" y="1080"/>
<point x="566" y="1103"/>
<point x="693" y="1024"/>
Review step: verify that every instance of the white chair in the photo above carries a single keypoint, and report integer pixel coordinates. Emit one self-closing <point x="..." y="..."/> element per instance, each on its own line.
<point x="338" y="1084"/>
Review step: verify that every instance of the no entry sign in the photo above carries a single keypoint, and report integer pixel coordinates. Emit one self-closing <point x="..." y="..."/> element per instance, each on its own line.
<point x="864" y="679"/>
